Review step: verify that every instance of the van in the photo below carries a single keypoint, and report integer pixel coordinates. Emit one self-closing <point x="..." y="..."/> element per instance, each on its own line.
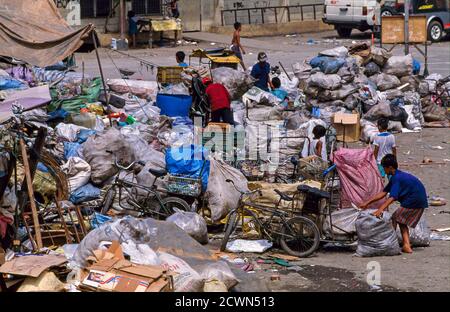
<point x="347" y="15"/>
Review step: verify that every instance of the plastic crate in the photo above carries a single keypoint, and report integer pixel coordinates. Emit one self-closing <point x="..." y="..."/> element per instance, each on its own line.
<point x="184" y="186"/>
<point x="169" y="74"/>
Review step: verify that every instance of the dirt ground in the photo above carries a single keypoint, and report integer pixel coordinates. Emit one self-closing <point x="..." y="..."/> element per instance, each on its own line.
<point x="427" y="269"/>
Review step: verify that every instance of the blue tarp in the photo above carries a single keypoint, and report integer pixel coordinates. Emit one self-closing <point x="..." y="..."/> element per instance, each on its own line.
<point x="72" y="150"/>
<point x="189" y="161"/>
<point x="7" y="83"/>
<point x="84" y="134"/>
<point x="85" y="193"/>
<point x="416" y="67"/>
<point x="326" y="64"/>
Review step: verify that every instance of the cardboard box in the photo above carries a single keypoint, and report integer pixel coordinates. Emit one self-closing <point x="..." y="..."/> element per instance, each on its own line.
<point x="348" y="123"/>
<point x="110" y="272"/>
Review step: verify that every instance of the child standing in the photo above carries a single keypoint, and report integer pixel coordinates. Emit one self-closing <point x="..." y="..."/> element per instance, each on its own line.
<point x="236" y="45"/>
<point x="384" y="144"/>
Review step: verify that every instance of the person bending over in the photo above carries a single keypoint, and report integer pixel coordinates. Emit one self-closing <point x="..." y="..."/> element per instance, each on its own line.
<point x="220" y="102"/>
<point x="409" y="191"/>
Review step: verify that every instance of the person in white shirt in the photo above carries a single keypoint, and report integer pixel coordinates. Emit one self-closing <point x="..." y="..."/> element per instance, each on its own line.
<point x="384" y="144"/>
<point x="318" y="146"/>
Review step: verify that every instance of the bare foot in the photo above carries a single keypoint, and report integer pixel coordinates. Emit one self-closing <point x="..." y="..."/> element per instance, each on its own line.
<point x="407" y="249"/>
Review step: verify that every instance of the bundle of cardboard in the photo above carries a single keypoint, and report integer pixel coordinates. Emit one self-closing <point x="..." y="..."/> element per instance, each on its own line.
<point x="111" y="272"/>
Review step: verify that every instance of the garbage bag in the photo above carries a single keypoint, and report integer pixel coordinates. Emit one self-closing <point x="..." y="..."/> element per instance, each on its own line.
<point x="379" y="55"/>
<point x="191" y="161"/>
<point x="321" y="80"/>
<point x="382" y="109"/>
<point x="343" y="222"/>
<point x="412" y="122"/>
<point x="85" y="193"/>
<point x="371" y="69"/>
<point x="385" y="81"/>
<point x="254" y="246"/>
<point x="416" y="67"/>
<point x="219" y="271"/>
<point x="376" y="236"/>
<point x="77" y="171"/>
<point x="101" y="162"/>
<point x="140" y="253"/>
<point x="68" y="132"/>
<point x="399" y="65"/>
<point x="72" y="149"/>
<point x="192" y="223"/>
<point x="369" y="130"/>
<point x="327" y="65"/>
<point x="398" y="113"/>
<point x="236" y="82"/>
<point x="185" y="279"/>
<point x="359" y="175"/>
<point x="84" y="134"/>
<point x="341" y="52"/>
<point x="222" y="197"/>
<point x="418" y="236"/>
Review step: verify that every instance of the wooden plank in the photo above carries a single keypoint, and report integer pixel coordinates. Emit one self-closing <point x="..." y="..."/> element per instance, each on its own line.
<point x="37" y="227"/>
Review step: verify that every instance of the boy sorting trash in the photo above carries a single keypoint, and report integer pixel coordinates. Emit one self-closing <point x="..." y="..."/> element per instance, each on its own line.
<point x="409" y="191"/>
<point x="278" y="91"/>
<point x="384" y="144"/>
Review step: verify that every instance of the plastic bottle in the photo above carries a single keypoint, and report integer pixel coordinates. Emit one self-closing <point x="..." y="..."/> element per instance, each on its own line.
<point x="84" y="119"/>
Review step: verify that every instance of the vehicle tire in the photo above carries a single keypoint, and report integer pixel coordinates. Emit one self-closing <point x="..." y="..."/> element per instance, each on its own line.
<point x="229" y="229"/>
<point x="108" y="201"/>
<point x="344" y="32"/>
<point x="435" y="31"/>
<point x="387" y="12"/>
<point x="306" y="237"/>
<point x="174" y="202"/>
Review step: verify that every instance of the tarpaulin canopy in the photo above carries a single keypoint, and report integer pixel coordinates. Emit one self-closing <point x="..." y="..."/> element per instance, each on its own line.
<point x="35" y="32"/>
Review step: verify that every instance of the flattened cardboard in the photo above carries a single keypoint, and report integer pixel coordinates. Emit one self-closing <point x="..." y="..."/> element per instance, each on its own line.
<point x="32" y="265"/>
<point x="153" y="272"/>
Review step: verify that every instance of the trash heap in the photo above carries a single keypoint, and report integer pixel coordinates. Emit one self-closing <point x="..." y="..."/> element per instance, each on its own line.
<point x="150" y="123"/>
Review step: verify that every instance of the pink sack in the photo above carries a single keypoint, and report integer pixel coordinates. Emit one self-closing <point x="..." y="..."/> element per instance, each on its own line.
<point x="359" y="175"/>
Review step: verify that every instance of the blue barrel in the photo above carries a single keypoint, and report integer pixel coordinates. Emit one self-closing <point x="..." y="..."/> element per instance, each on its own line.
<point x="174" y="105"/>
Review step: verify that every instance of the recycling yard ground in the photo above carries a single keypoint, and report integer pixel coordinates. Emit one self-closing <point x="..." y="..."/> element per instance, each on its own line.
<point x="427" y="269"/>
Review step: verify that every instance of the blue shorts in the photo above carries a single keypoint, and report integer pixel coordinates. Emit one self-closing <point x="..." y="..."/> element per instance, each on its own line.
<point x="237" y="52"/>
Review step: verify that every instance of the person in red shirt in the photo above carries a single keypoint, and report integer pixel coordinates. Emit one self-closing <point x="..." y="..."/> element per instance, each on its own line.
<point x="220" y="102"/>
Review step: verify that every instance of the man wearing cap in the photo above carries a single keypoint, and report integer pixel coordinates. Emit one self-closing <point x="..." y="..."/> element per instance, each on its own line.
<point x="219" y="99"/>
<point x="261" y="71"/>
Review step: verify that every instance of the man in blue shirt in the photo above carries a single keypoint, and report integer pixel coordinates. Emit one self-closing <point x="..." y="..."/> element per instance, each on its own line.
<point x="180" y="56"/>
<point x="406" y="189"/>
<point x="261" y="71"/>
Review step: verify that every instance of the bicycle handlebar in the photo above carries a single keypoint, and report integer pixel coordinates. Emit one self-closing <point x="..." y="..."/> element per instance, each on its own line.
<point x="117" y="164"/>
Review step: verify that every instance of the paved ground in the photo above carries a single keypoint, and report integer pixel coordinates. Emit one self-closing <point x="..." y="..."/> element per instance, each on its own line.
<point x="427" y="269"/>
<point x="287" y="50"/>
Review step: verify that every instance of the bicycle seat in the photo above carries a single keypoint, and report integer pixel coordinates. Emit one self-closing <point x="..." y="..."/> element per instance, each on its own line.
<point x="158" y="173"/>
<point x="313" y="191"/>
<point x="284" y="196"/>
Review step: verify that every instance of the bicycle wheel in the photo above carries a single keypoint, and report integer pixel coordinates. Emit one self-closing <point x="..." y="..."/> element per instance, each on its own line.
<point x="300" y="237"/>
<point x="170" y="203"/>
<point x="229" y="229"/>
<point x="108" y="201"/>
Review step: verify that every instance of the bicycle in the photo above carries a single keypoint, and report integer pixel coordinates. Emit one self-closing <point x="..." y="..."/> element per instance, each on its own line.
<point x="164" y="207"/>
<point x="298" y="236"/>
<point x="441" y="94"/>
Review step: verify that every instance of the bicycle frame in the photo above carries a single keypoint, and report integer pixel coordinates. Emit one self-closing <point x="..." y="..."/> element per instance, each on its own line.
<point x="121" y="184"/>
